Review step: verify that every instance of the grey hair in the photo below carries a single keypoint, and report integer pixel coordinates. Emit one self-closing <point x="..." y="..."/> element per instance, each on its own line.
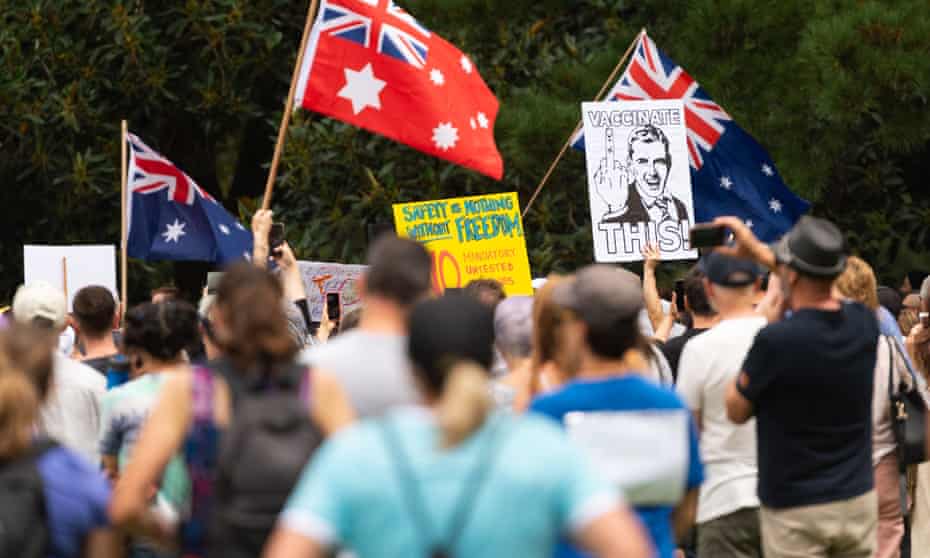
<point x="925" y="289"/>
<point x="513" y="326"/>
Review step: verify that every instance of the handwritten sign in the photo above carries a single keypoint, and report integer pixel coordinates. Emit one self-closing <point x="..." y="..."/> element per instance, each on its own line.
<point x="478" y="237"/>
<point x="321" y="278"/>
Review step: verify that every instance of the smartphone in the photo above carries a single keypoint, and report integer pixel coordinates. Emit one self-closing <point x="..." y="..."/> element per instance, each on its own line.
<point x="276" y="236"/>
<point x="708" y="236"/>
<point x="680" y="295"/>
<point x="333" y="306"/>
<point x="924" y="319"/>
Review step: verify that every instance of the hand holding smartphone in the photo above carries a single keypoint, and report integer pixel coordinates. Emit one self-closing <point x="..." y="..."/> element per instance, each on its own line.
<point x="333" y="307"/>
<point x="276" y="238"/>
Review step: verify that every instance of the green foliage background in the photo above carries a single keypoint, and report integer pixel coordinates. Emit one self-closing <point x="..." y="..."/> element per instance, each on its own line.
<point x="837" y="90"/>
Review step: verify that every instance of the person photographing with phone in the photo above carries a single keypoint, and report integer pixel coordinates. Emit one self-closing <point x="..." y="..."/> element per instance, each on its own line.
<point x="808" y="379"/>
<point x="270" y="245"/>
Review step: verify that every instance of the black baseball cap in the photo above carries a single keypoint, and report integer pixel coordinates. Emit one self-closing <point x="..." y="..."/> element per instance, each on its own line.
<point x="728" y="271"/>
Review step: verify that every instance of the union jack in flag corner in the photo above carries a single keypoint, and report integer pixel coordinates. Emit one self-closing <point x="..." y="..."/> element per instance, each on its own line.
<point x="170" y="217"/>
<point x="731" y="174"/>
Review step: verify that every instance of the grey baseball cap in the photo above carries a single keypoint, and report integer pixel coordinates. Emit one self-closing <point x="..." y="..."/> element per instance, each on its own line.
<point x="601" y="295"/>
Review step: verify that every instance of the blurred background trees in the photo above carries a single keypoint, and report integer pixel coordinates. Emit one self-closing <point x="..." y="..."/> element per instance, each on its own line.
<point x="837" y="90"/>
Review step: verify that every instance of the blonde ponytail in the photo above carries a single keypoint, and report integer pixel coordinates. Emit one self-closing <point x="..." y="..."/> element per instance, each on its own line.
<point x="464" y="404"/>
<point x="19" y="408"/>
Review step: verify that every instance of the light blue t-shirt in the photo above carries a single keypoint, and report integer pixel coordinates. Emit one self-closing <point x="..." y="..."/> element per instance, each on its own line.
<point x="640" y="434"/>
<point x="538" y="488"/>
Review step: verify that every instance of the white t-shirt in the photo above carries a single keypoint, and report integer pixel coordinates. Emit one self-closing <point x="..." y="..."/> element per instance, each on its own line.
<point x="71" y="413"/>
<point x="708" y="364"/>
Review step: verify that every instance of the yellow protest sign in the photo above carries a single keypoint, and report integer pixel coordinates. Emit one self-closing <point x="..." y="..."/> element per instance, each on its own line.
<point x="478" y="237"/>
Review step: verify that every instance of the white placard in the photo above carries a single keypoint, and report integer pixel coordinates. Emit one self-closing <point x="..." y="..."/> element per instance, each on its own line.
<point x="639" y="179"/>
<point x="321" y="278"/>
<point x="85" y="265"/>
<point x="643" y="453"/>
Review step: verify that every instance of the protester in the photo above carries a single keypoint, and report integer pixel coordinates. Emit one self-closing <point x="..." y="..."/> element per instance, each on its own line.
<point x="918" y="345"/>
<point x="440" y="479"/>
<point x="164" y="294"/>
<point x="891" y="300"/>
<point x="154" y="339"/>
<point x="728" y="507"/>
<point x="250" y="401"/>
<point x="513" y="339"/>
<point x="370" y="362"/>
<point x="547" y="369"/>
<point x="703" y="317"/>
<point x="96" y="316"/>
<point x="71" y="412"/>
<point x="653" y="456"/>
<point x="808" y="379"/>
<point x="489" y="292"/>
<point x="912" y="302"/>
<point x="912" y="282"/>
<point x="857" y="283"/>
<point x="62" y="512"/>
<point x="294" y="302"/>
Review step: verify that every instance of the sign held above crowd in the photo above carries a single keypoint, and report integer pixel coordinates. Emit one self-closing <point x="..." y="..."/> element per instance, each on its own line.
<point x="639" y="182"/>
<point x="477" y="237"/>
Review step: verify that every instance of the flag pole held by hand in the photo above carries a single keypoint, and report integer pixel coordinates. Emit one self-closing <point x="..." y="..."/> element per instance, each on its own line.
<point x="610" y="79"/>
<point x="288" y="108"/>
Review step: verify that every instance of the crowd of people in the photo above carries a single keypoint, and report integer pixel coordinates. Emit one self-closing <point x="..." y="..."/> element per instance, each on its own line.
<point x="761" y="415"/>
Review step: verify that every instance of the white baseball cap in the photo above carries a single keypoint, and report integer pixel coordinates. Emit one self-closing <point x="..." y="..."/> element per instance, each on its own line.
<point x="40" y="300"/>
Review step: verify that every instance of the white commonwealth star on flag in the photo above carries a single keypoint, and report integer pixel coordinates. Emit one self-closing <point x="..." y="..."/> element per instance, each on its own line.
<point x="362" y="89"/>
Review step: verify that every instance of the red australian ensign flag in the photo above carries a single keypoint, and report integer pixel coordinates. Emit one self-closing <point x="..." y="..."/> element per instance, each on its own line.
<point x="370" y="63"/>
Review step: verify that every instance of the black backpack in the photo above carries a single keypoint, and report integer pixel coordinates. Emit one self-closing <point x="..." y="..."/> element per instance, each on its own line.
<point x="23" y="526"/>
<point x="261" y="456"/>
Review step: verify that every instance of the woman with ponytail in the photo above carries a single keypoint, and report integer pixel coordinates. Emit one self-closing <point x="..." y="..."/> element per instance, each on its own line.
<point x="63" y="514"/>
<point x="452" y="477"/>
<point x="209" y="415"/>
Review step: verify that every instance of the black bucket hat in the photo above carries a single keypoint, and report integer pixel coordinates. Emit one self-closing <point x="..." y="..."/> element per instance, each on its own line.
<point x="814" y="247"/>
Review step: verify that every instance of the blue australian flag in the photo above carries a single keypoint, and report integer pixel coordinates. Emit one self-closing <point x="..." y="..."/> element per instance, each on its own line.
<point x="731" y="174"/>
<point x="172" y="218"/>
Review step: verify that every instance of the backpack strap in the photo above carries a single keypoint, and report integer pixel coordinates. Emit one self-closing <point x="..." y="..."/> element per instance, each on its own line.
<point x="413" y="496"/>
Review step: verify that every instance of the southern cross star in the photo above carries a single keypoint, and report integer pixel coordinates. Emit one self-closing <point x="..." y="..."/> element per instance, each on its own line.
<point x="445" y="136"/>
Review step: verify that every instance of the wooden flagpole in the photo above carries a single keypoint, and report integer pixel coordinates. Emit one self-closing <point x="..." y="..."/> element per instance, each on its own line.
<point x="568" y="142"/>
<point x="124" y="240"/>
<point x="288" y="108"/>
<point x="64" y="278"/>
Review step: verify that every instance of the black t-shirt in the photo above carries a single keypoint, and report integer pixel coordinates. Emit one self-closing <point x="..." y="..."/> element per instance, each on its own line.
<point x="810" y="381"/>
<point x="673" y="348"/>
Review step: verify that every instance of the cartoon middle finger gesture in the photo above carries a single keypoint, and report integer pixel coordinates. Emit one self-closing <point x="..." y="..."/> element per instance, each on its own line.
<point x="610" y="179"/>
